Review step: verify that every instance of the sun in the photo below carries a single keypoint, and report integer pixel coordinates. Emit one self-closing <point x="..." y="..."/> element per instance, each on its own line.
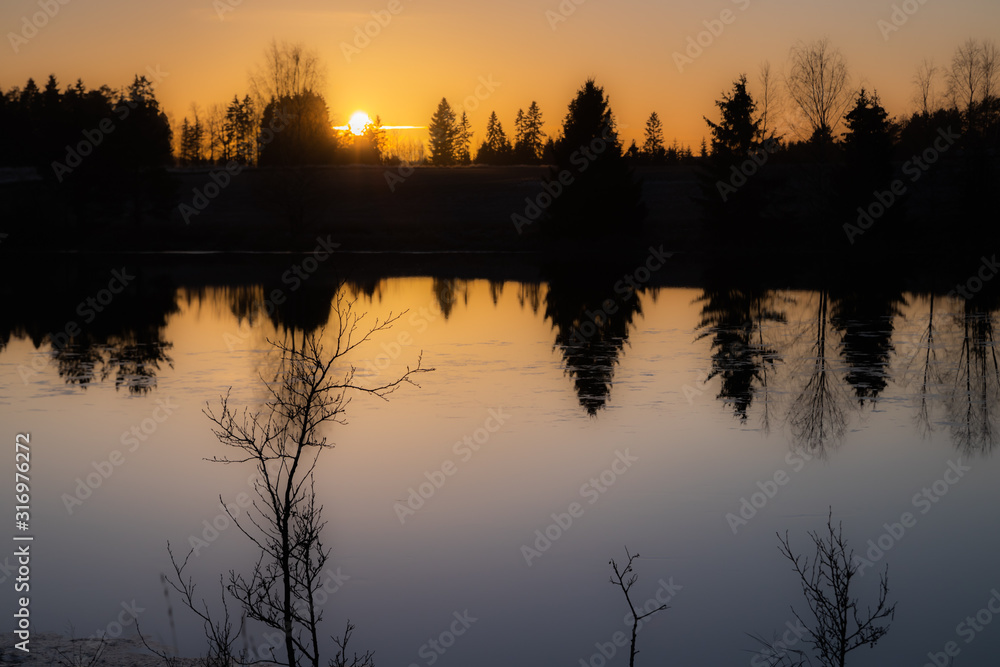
<point x="359" y="121"/>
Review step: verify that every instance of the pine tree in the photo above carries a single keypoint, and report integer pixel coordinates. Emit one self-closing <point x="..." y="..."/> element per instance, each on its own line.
<point x="736" y="134"/>
<point x="528" y="135"/>
<point x="652" y="147"/>
<point x="463" y="140"/>
<point x="604" y="198"/>
<point x="444" y="131"/>
<point x="376" y="139"/>
<point x="496" y="149"/>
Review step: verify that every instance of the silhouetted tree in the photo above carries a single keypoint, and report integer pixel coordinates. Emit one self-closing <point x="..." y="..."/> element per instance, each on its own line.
<point x="923" y="81"/>
<point x="241" y="135"/>
<point x="528" y="135"/>
<point x="297" y="131"/>
<point x="818" y="83"/>
<point x="288" y="70"/>
<point x="730" y="197"/>
<point x="443" y="129"/>
<point x="603" y="197"/>
<point x="283" y="441"/>
<point x="624" y="582"/>
<point x="377" y="141"/>
<point x="868" y="145"/>
<point x="463" y="140"/>
<point x="838" y="625"/>
<point x="192" y="140"/>
<point x="736" y="134"/>
<point x="652" y="145"/>
<point x="496" y="149"/>
<point x="770" y="103"/>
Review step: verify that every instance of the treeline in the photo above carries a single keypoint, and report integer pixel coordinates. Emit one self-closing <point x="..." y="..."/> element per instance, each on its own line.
<point x="881" y="184"/>
<point x="79" y="129"/>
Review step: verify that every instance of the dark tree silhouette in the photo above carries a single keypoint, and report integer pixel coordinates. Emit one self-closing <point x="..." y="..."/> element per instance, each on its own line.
<point x="496" y="149"/>
<point x="622" y="579"/>
<point x="603" y="197"/>
<point x="838" y="626"/>
<point x="652" y="145"/>
<point x="295" y="130"/>
<point x="528" y="135"/>
<point x="463" y="140"/>
<point x="444" y="130"/>
<point x="737" y="132"/>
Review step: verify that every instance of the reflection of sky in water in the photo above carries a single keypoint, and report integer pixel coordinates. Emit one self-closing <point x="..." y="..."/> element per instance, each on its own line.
<point x="697" y="457"/>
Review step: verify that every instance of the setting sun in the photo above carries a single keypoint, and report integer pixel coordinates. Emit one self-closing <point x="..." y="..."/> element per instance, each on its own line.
<point x="359" y="121"/>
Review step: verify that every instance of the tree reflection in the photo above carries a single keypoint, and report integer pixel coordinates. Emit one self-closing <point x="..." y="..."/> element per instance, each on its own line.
<point x="735" y="320"/>
<point x="817" y="416"/>
<point x="447" y="291"/>
<point x="971" y="400"/>
<point x="865" y="321"/>
<point x="592" y="311"/>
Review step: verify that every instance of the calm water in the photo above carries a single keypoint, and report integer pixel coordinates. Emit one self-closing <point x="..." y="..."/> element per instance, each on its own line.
<point x="859" y="401"/>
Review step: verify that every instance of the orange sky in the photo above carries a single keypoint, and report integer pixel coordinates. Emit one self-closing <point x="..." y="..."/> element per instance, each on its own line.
<point x="434" y="48"/>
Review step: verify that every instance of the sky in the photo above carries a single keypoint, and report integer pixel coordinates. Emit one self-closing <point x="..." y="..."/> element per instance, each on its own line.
<point x="486" y="56"/>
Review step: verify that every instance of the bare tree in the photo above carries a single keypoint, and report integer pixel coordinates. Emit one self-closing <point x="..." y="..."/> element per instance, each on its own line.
<point x="924" y="81"/>
<point x="838" y="626"/>
<point x="818" y="83"/>
<point x="965" y="79"/>
<point x="219" y="631"/>
<point x="310" y="388"/>
<point x="626" y="584"/>
<point x="769" y="101"/>
<point x="288" y="70"/>
<point x="817" y="416"/>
